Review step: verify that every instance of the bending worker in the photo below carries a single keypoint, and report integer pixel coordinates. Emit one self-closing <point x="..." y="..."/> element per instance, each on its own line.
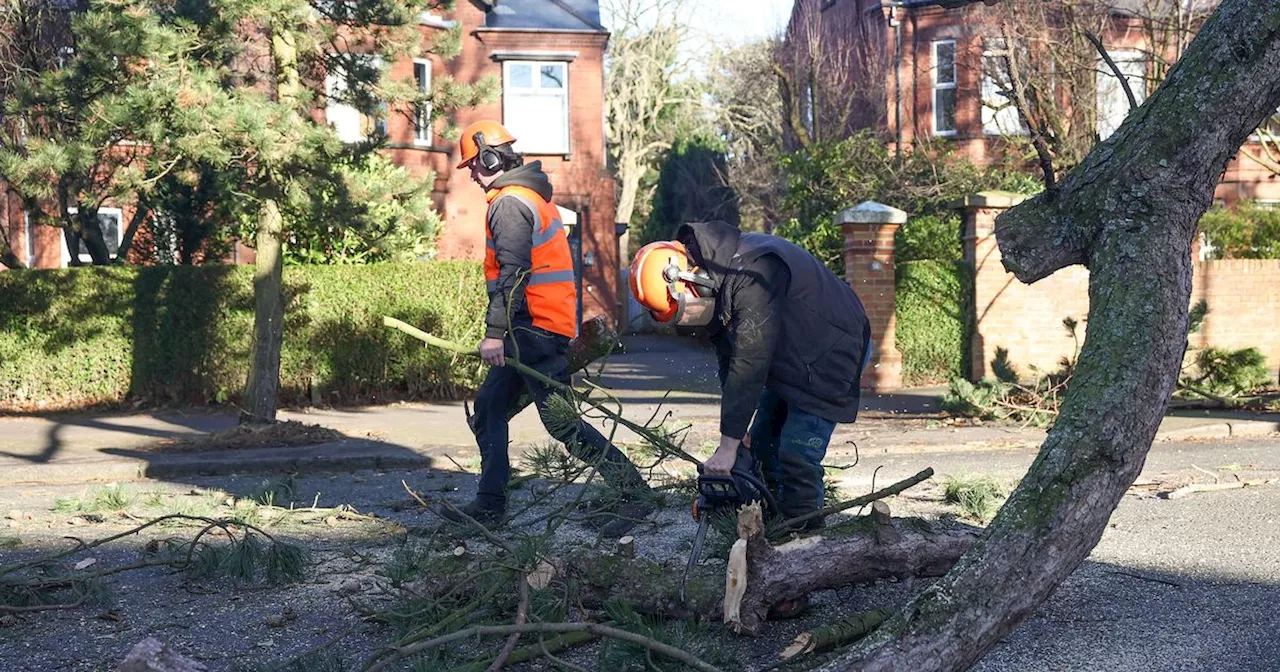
<point x="791" y="338"/>
<point x="532" y="316"/>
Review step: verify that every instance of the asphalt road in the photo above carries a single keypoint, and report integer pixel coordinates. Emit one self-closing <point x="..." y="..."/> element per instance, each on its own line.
<point x="1189" y="584"/>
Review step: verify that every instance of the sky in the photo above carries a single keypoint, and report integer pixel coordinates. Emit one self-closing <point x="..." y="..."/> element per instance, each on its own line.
<point x="736" y="21"/>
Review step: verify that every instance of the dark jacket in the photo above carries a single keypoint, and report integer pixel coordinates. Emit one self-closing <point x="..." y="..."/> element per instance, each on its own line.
<point x="783" y="320"/>
<point x="511" y="223"/>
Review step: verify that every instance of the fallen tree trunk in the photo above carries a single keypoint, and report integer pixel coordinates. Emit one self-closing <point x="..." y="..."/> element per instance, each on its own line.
<point x="910" y="547"/>
<point x="896" y="548"/>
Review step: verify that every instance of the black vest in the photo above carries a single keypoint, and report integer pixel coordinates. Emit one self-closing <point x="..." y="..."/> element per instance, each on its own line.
<point x="818" y="361"/>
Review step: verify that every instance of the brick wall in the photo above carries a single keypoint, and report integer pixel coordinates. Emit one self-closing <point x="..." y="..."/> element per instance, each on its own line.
<point x="869" y="254"/>
<point x="1243" y="297"/>
<point x="581" y="179"/>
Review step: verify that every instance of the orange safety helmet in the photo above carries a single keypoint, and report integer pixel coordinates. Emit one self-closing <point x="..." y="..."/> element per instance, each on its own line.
<point x="491" y="134"/>
<point x="665" y="281"/>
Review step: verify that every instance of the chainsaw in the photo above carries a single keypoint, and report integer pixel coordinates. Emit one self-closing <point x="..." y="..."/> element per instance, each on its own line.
<point x="717" y="492"/>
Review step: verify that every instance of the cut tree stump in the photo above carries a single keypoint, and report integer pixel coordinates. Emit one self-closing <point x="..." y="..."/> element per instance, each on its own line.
<point x="793" y="570"/>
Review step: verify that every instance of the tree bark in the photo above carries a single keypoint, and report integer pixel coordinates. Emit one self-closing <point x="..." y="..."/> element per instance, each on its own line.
<point x="262" y="388"/>
<point x="793" y="570"/>
<point x="1128" y="213"/>
<point x="774" y="574"/>
<point x="629" y="172"/>
<point x="140" y="212"/>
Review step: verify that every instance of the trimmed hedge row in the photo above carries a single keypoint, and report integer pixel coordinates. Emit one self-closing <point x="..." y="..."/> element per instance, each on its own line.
<point x="934" y="315"/>
<point x="100" y="336"/>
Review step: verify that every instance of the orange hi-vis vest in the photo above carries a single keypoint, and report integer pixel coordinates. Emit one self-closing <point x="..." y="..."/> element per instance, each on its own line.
<point x="550" y="291"/>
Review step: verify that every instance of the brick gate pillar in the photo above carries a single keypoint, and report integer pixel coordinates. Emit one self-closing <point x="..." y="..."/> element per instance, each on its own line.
<point x="979" y="212"/>
<point x="869" y="265"/>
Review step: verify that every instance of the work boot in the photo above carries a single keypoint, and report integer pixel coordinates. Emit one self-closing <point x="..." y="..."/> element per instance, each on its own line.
<point x="621" y="518"/>
<point x="488" y="515"/>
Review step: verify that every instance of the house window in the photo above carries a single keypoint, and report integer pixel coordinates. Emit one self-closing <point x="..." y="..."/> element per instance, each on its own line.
<point x="535" y="105"/>
<point x="422" y="111"/>
<point x="111" y="220"/>
<point x="999" y="114"/>
<point x="27" y="236"/>
<point x="350" y="123"/>
<point x="944" y="87"/>
<point x="1113" y="105"/>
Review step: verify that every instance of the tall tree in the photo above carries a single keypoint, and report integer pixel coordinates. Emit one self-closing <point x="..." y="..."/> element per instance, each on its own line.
<point x="830" y="70"/>
<point x="1128" y="213"/>
<point x="648" y="90"/>
<point x="96" y="107"/>
<point x="748" y="114"/>
<point x="290" y="156"/>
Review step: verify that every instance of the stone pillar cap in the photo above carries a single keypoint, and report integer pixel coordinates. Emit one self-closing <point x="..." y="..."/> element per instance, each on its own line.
<point x="989" y="199"/>
<point x="870" y="212"/>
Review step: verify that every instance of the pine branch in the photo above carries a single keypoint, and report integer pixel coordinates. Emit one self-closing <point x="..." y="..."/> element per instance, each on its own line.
<point x="657" y="440"/>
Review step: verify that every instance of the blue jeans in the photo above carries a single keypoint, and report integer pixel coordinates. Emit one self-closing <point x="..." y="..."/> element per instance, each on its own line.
<point x="789" y="444"/>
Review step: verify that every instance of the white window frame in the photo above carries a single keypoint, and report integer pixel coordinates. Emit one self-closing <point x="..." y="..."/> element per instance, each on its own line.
<point x="345" y="111"/>
<point x="943" y="86"/>
<point x="528" y="145"/>
<point x="30" y="243"/>
<point x="86" y="258"/>
<point x="422" y="132"/>
<point x="1137" y="83"/>
<point x="991" y="91"/>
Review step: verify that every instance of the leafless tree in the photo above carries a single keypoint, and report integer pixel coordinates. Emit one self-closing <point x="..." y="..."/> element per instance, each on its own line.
<point x="647" y="84"/>
<point x="830" y="71"/>
<point x="748" y="111"/>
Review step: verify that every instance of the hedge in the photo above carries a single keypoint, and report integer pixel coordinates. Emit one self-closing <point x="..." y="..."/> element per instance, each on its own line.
<point x="97" y="336"/>
<point x="934" y="320"/>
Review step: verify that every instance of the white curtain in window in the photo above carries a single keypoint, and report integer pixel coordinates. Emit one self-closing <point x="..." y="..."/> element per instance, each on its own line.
<point x="535" y="106"/>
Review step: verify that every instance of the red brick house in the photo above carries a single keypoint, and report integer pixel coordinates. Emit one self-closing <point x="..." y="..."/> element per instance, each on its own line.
<point x="548" y="57"/>
<point x="922" y="71"/>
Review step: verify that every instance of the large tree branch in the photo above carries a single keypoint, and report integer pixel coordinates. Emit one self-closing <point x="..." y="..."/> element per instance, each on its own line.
<point x="1129" y="212"/>
<point x="1192" y="123"/>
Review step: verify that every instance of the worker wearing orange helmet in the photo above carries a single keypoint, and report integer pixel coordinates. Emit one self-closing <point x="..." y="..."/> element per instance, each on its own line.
<point x="791" y="338"/>
<point x="532" y="315"/>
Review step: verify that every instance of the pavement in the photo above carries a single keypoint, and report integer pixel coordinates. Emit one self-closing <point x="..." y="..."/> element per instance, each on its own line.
<point x="657" y="378"/>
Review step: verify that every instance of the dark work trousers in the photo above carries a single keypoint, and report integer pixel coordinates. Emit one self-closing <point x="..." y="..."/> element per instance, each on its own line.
<point x="789" y="444"/>
<point x="544" y="352"/>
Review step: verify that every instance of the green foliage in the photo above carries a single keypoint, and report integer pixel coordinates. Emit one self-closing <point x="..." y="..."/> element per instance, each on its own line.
<point x="81" y="337"/>
<point x="1232" y="372"/>
<point x="247" y="558"/>
<point x="832" y="176"/>
<point x="104" y="499"/>
<point x="934" y="308"/>
<point x="689" y="636"/>
<point x="371" y="210"/>
<point x="1008" y="398"/>
<point x="977" y="496"/>
<point x="1252" y="231"/>
<point x="692" y="187"/>
<point x="929" y="237"/>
